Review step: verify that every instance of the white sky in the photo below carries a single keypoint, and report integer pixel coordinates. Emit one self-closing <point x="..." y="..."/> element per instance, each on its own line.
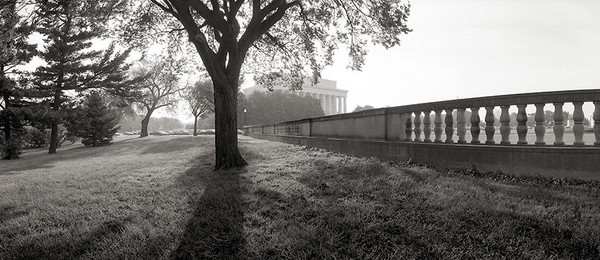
<point x="471" y="48"/>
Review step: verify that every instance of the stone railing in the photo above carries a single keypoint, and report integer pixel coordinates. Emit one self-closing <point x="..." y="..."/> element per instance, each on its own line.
<point x="422" y="128"/>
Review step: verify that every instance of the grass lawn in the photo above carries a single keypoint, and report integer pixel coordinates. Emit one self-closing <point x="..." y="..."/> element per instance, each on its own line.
<point x="158" y="198"/>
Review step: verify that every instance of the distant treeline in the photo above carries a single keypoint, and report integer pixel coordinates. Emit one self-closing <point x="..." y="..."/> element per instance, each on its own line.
<point x="134" y="122"/>
<point x="274" y="107"/>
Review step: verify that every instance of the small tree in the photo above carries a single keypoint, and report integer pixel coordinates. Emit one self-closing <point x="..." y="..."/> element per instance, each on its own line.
<point x="95" y="121"/>
<point x="200" y="98"/>
<point x="160" y="86"/>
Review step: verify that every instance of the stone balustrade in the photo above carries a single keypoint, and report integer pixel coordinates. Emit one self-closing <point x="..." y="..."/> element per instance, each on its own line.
<point x="453" y="114"/>
<point x="441" y="133"/>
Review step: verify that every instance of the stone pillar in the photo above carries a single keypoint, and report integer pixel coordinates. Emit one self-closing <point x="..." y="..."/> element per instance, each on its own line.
<point x="559" y="128"/>
<point x="427" y="126"/>
<point x="345" y="109"/>
<point x="540" y="128"/>
<point x="437" y="130"/>
<point x="578" y="123"/>
<point x="596" y="118"/>
<point x="505" y="125"/>
<point x="402" y="127"/>
<point x="408" y="129"/>
<point x="461" y="125"/>
<point x="340" y="106"/>
<point x="449" y="126"/>
<point x="332" y="104"/>
<point x="417" y="126"/>
<point x="522" y="124"/>
<point x="323" y="103"/>
<point x="475" y="129"/>
<point x="489" y="125"/>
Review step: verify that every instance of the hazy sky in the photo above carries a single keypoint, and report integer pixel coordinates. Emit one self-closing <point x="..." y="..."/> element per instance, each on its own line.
<point x="470" y="48"/>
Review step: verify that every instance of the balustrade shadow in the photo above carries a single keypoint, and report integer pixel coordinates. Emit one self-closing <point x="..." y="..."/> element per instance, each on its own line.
<point x="215" y="229"/>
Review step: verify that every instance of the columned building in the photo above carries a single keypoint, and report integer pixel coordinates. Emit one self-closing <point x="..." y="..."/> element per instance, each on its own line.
<point x="333" y="100"/>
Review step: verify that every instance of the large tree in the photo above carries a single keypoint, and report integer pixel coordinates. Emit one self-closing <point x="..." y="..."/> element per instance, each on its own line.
<point x="160" y="85"/>
<point x="14" y="51"/>
<point x="69" y="28"/>
<point x="289" y="37"/>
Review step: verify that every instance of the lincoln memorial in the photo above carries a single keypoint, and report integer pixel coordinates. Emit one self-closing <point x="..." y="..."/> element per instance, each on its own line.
<point x="333" y="100"/>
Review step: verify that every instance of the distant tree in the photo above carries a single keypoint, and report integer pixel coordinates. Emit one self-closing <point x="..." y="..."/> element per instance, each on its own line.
<point x="359" y="108"/>
<point x="242" y="109"/>
<point x="69" y="28"/>
<point x="275" y="107"/>
<point x="160" y="86"/>
<point x="200" y="99"/>
<point x="276" y="36"/>
<point x="14" y="51"/>
<point x="95" y="121"/>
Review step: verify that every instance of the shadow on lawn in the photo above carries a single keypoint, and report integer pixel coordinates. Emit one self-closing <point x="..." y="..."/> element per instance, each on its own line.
<point x="215" y="229"/>
<point x="173" y="144"/>
<point x="65" y="247"/>
<point x="40" y="159"/>
<point x="413" y="224"/>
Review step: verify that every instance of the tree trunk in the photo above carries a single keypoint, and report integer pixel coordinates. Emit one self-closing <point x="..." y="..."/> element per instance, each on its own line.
<point x="6" y="97"/>
<point x="145" y="122"/>
<point x="195" y="125"/>
<point x="55" y="120"/>
<point x="226" y="138"/>
<point x="7" y="115"/>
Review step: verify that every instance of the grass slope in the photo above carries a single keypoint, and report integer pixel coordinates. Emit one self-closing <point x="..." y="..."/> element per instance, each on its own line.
<point x="157" y="198"/>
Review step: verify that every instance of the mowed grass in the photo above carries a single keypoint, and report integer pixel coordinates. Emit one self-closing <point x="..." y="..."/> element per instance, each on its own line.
<point x="158" y="198"/>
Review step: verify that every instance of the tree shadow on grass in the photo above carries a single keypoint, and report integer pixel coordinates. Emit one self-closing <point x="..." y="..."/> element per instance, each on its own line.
<point x="40" y="159"/>
<point x="64" y="247"/>
<point x="174" y="144"/>
<point x="215" y="230"/>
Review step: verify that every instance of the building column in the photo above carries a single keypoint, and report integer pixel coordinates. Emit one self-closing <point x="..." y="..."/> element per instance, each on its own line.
<point x="332" y="104"/>
<point x="340" y="108"/>
<point x="345" y="110"/>
<point x="323" y="102"/>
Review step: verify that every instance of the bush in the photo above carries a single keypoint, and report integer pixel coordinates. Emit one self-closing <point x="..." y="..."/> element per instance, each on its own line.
<point x="35" y="138"/>
<point x="11" y="149"/>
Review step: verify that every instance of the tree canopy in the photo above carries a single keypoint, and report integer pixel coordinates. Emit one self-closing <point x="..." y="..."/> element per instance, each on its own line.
<point x="160" y="83"/>
<point x="279" y="37"/>
<point x="69" y="28"/>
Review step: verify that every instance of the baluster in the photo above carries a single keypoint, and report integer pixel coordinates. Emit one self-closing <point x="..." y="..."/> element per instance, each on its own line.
<point x="408" y="129"/>
<point x="402" y="127"/>
<point x="489" y="125"/>
<point x="522" y="124"/>
<point x="540" y="128"/>
<point x="597" y="122"/>
<point x="449" y="126"/>
<point x="417" y="126"/>
<point x="505" y="125"/>
<point x="438" y="126"/>
<point x="427" y="129"/>
<point x="559" y="128"/>
<point x="461" y="124"/>
<point x="475" y="129"/>
<point x="578" y="123"/>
